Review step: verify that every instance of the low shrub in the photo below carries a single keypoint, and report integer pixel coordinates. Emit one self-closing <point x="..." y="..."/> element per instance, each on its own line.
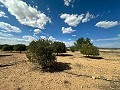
<point x="41" y="52"/>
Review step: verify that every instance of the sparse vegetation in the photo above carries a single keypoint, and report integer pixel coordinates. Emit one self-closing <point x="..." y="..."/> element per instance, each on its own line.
<point x="89" y="50"/>
<point x="41" y="52"/>
<point x="7" y="47"/>
<point x="59" y="47"/>
<point x="73" y="48"/>
<point x="19" y="47"/>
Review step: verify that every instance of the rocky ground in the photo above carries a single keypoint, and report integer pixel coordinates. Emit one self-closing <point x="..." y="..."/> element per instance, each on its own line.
<point x="75" y="73"/>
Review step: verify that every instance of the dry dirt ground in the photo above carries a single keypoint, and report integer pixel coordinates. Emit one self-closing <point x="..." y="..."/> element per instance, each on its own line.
<point x="75" y="73"/>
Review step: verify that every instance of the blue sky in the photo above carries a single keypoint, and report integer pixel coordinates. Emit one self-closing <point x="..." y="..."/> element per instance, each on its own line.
<point x="22" y="21"/>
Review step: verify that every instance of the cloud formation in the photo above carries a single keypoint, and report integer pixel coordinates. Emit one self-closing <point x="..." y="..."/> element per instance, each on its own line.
<point x="2" y="14"/>
<point x="26" y="14"/>
<point x="5" y="34"/>
<point x="29" y="38"/>
<point x="67" y="2"/>
<point x="9" y="28"/>
<point x="107" y="24"/>
<point x="67" y="30"/>
<point x="37" y="31"/>
<point x="75" y="19"/>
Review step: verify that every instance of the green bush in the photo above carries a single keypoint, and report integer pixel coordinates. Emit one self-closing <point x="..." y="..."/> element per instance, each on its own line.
<point x="19" y="47"/>
<point x="7" y="48"/>
<point x="41" y="52"/>
<point x="89" y="50"/>
<point x="79" y="42"/>
<point x="1" y="46"/>
<point x="59" y="47"/>
<point x="73" y="48"/>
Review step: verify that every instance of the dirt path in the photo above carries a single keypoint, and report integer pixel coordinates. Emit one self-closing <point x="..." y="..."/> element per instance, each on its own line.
<point x="81" y="73"/>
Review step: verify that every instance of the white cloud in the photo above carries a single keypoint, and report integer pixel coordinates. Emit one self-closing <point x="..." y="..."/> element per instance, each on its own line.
<point x="37" y="31"/>
<point x="9" y="28"/>
<point x="108" y="39"/>
<point x="73" y="19"/>
<point x="13" y="40"/>
<point x="29" y="38"/>
<point x="26" y="14"/>
<point x="1" y="5"/>
<point x="107" y="24"/>
<point x="43" y="37"/>
<point x="109" y="45"/>
<point x="2" y="14"/>
<point x="67" y="30"/>
<point x="73" y="35"/>
<point x="69" y="39"/>
<point x="5" y="34"/>
<point x="51" y="38"/>
<point x="67" y="2"/>
<point x="69" y="43"/>
<point x="88" y="17"/>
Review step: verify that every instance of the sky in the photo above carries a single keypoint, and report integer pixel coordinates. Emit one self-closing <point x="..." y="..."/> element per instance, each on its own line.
<point x="22" y="21"/>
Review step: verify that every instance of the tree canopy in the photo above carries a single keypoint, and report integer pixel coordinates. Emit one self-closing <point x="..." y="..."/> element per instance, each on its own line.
<point x="59" y="47"/>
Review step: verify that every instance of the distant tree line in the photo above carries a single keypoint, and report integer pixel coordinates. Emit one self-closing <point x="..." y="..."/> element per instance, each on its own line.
<point x="17" y="47"/>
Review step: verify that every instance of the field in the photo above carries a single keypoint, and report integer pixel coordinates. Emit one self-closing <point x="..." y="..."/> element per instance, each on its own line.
<point x="73" y="72"/>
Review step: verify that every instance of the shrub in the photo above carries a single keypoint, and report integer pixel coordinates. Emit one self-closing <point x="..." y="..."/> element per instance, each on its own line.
<point x="73" y="48"/>
<point x="59" y="47"/>
<point x="82" y="41"/>
<point x="41" y="52"/>
<point x="89" y="50"/>
<point x="19" y="47"/>
<point x="1" y="46"/>
<point x="7" y="48"/>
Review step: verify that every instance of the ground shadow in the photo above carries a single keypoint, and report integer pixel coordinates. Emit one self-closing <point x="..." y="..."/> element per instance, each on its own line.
<point x="5" y="55"/>
<point x="64" y="55"/>
<point x="56" y="67"/>
<point x="93" y="57"/>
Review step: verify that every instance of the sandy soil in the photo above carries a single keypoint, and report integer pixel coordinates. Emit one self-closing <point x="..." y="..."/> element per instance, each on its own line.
<point x="79" y="73"/>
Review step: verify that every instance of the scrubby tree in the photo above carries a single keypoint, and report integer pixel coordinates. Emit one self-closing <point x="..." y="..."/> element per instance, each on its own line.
<point x="89" y="50"/>
<point x="7" y="48"/>
<point x="1" y="46"/>
<point x="81" y="41"/>
<point x="73" y="48"/>
<point x="19" y="47"/>
<point x="59" y="47"/>
<point x="41" y="52"/>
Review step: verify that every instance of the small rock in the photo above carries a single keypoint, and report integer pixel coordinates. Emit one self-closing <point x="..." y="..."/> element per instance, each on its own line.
<point x="93" y="77"/>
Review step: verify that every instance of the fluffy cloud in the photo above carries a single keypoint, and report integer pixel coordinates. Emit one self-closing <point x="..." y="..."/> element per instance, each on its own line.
<point x="2" y="14"/>
<point x="107" y="24"/>
<point x="43" y="37"/>
<point x="5" y="34"/>
<point x="88" y="17"/>
<point x="9" y="28"/>
<point x="72" y="20"/>
<point x="67" y="30"/>
<point x="13" y="40"/>
<point x="73" y="35"/>
<point x="29" y="38"/>
<point x="108" y="39"/>
<point x="69" y="43"/>
<point x="37" y="31"/>
<point x="67" y="2"/>
<point x="26" y="14"/>
<point x="75" y="19"/>
<point x="51" y="38"/>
